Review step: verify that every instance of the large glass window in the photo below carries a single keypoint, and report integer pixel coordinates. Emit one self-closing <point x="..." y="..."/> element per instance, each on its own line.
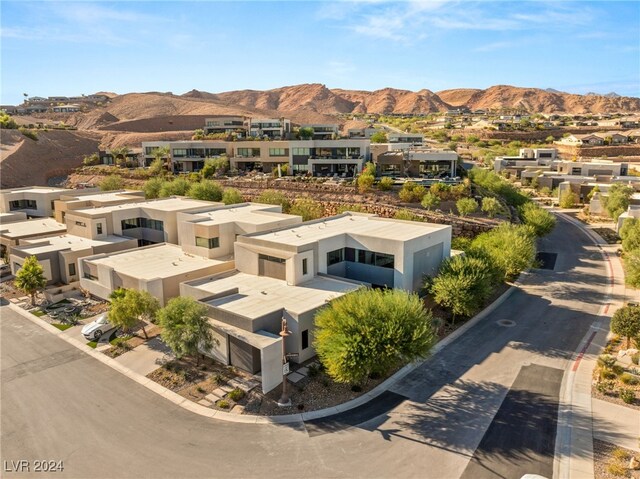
<point x="179" y="152"/>
<point x="209" y="243"/>
<point x="273" y="259"/>
<point x="131" y="223"/>
<point x="278" y="152"/>
<point x="335" y="257"/>
<point x="372" y="258"/>
<point x="22" y="205"/>
<point x="248" y="152"/>
<point x="301" y="151"/>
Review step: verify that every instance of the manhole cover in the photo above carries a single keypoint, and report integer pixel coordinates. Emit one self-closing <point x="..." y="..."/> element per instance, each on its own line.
<point x="507" y="323"/>
<point x="546" y="260"/>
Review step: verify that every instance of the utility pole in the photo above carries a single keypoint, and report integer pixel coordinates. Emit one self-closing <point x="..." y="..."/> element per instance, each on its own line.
<point x="284" y="400"/>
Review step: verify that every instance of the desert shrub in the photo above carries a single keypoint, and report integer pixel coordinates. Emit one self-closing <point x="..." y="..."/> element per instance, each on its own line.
<point x="273" y="197"/>
<point x="627" y="395"/>
<point x="620" y="454"/>
<point x="568" y="199"/>
<point x="236" y="395"/>
<point x="91" y="160"/>
<point x="616" y="469"/>
<point x="630" y="234"/>
<point x="461" y="243"/>
<point x="152" y="187"/>
<point x="607" y="374"/>
<point x="219" y="379"/>
<point x="111" y="183"/>
<point x="29" y="133"/>
<point x="365" y="182"/>
<point x="631" y="261"/>
<point x="491" y="206"/>
<point x="313" y="371"/>
<point x="385" y="184"/>
<point x="223" y="404"/>
<point x="441" y="190"/>
<point x="231" y="196"/>
<point x="214" y="166"/>
<point x="406" y="215"/>
<point x="493" y="182"/>
<point x="606" y="361"/>
<point x="430" y="201"/>
<point x="605" y="387"/>
<point x="538" y="218"/>
<point x="177" y="187"/>
<point x="411" y="192"/>
<point x="628" y="379"/>
<point x="618" y="199"/>
<point x="635" y="358"/>
<point x="207" y="190"/>
<point x="307" y="208"/>
<point x="350" y="207"/>
<point x="545" y="191"/>
<point x="466" y="206"/>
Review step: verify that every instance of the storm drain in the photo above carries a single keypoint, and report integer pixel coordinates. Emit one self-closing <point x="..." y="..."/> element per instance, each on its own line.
<point x="506" y="323"/>
<point x="546" y="260"/>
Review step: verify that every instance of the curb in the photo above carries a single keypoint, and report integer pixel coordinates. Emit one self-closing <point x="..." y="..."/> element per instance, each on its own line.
<point x="280" y="419"/>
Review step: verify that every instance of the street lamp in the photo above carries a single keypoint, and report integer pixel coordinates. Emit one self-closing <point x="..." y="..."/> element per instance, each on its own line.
<point x="284" y="400"/>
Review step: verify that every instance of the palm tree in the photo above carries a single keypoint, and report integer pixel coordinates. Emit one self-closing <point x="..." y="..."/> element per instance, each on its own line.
<point x="30" y="278"/>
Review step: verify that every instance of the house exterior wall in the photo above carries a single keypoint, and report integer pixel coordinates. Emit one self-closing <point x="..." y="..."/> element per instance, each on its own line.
<point x="43" y="200"/>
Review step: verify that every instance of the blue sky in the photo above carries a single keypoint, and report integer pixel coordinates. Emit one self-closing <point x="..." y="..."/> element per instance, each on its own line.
<point x="72" y="48"/>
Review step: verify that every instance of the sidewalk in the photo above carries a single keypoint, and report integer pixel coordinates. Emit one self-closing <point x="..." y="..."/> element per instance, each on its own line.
<point x="574" y="443"/>
<point x="625" y="420"/>
<point x="147" y="357"/>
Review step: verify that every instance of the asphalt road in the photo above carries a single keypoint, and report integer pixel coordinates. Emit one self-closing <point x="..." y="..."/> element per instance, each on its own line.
<point x="461" y="418"/>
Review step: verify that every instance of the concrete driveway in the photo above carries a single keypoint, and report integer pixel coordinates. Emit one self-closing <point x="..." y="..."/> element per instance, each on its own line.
<point x="147" y="357"/>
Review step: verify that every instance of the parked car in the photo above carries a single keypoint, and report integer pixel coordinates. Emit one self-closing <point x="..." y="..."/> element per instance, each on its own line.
<point x="97" y="328"/>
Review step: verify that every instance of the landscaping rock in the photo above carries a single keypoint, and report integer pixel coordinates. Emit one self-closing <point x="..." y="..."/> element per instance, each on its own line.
<point x="204" y="402"/>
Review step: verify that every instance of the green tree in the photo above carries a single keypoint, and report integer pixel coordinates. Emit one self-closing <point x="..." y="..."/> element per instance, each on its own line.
<point x="463" y="285"/>
<point x="120" y="155"/>
<point x="490" y="206"/>
<point x="214" y="166"/>
<point x="466" y="206"/>
<point x="372" y="331"/>
<point x="111" y="183"/>
<point x="510" y="248"/>
<point x="177" y="187"/>
<point x="156" y="169"/>
<point x="630" y="234"/>
<point x="152" y="187"/>
<point x="365" y="182"/>
<point x="307" y="208"/>
<point x="90" y="160"/>
<point x="305" y="133"/>
<point x="30" y="278"/>
<point x="128" y="308"/>
<point x="626" y="322"/>
<point x="163" y="153"/>
<point x="618" y="199"/>
<point x="273" y="197"/>
<point x="206" y="190"/>
<point x="568" y="199"/>
<point x="537" y="218"/>
<point x="430" y="201"/>
<point x="385" y="184"/>
<point x="185" y="327"/>
<point x="379" y="137"/>
<point x="412" y="192"/>
<point x="231" y="196"/>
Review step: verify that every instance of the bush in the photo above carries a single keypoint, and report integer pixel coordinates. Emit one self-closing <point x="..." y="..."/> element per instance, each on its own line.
<point x="206" y="190"/>
<point x="406" y="215"/>
<point x="385" y="184"/>
<point x="618" y="199"/>
<point x="627" y="395"/>
<point x="177" y="187"/>
<point x="509" y="247"/>
<point x="494" y="183"/>
<point x="111" y="183"/>
<point x="152" y="187"/>
<point x="616" y="469"/>
<point x="214" y="166"/>
<point x="412" y="192"/>
<point x="430" y="201"/>
<point x="630" y="234"/>
<point x="545" y="191"/>
<point x="223" y="404"/>
<point x="236" y="395"/>
<point x="606" y="361"/>
<point x="365" y="182"/>
<point x="628" y="379"/>
<point x="635" y="358"/>
<point x="537" y="218"/>
<point x="626" y="322"/>
<point x="231" y="196"/>
<point x="307" y="208"/>
<point x="568" y="199"/>
<point x="157" y="168"/>
<point x="441" y="190"/>
<point x="313" y="371"/>
<point x="463" y="284"/>
<point x="371" y="330"/>
<point x="607" y="374"/>
<point x="620" y="454"/>
<point x="7" y="123"/>
<point x="605" y="387"/>
<point x="491" y="206"/>
<point x="90" y="160"/>
<point x="350" y="207"/>
<point x="631" y="261"/>
<point x="29" y="133"/>
<point x="272" y="197"/>
<point x="466" y="206"/>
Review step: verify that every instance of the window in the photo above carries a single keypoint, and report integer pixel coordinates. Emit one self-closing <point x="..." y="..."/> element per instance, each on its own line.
<point x="22" y="204"/>
<point x="72" y="269"/>
<point x="278" y="152"/>
<point x="179" y="152"/>
<point x="301" y="151"/>
<point x="99" y="228"/>
<point x="335" y="257"/>
<point x="304" y="266"/>
<point x="305" y="339"/>
<point x="209" y="243"/>
<point x="273" y="259"/>
<point x="131" y="223"/>
<point x="81" y="223"/>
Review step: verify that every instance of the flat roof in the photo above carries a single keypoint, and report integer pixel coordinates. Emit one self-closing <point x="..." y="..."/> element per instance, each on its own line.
<point x="259" y="295"/>
<point x="35" y="189"/>
<point x="100" y="196"/>
<point x="348" y="223"/>
<point x="33" y="227"/>
<point x="252" y="213"/>
<point x="158" y="261"/>
<point x="67" y="242"/>
<point x="174" y="203"/>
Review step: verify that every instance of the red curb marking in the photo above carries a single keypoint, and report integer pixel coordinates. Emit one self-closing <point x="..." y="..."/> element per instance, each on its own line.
<point x="606" y="308"/>
<point x="584" y="350"/>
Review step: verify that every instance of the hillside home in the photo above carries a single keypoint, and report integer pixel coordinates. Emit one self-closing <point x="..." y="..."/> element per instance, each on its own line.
<point x="323" y="131"/>
<point x="412" y="138"/>
<point x="34" y="201"/>
<point x="66" y="109"/>
<point x="273" y="128"/>
<point x="414" y="162"/>
<point x="14" y="233"/>
<point x="225" y="125"/>
<point x="93" y="198"/>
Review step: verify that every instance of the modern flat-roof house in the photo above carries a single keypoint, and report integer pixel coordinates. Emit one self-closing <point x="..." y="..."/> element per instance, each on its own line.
<point x="150" y="222"/>
<point x="415" y="161"/>
<point x="292" y="272"/>
<point x="93" y="198"/>
<point x="12" y="217"/>
<point x="59" y="255"/>
<point x="412" y="138"/>
<point x="328" y="131"/>
<point x="36" y="201"/>
<point x="225" y="125"/>
<point x="529" y="159"/>
<point x="592" y="168"/>
<point x="12" y="234"/>
<point x="274" y="128"/>
<point x="70" y="108"/>
<point x="158" y="269"/>
<point x="213" y="233"/>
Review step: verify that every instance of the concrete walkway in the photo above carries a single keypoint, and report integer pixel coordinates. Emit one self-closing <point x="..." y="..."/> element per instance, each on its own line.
<point x="147" y="357"/>
<point x="626" y="422"/>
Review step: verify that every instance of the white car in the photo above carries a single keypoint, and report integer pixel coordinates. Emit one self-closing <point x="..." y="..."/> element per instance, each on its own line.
<point x="97" y="328"/>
